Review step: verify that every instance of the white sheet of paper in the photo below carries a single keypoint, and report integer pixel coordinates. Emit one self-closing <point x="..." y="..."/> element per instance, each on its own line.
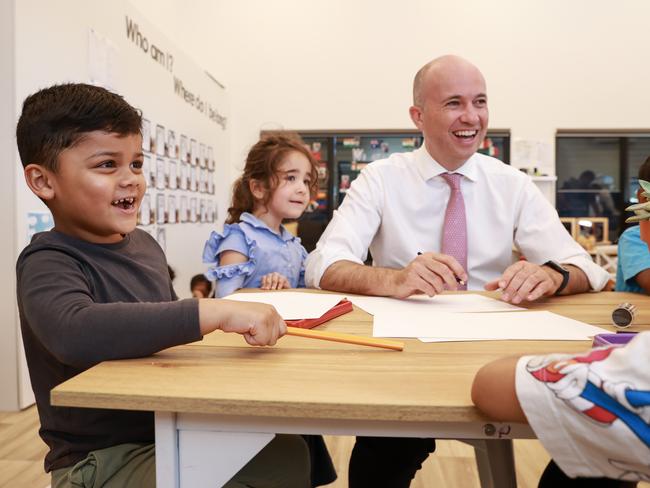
<point x="292" y="305"/>
<point x="497" y="326"/>
<point x="452" y="339"/>
<point x="440" y="303"/>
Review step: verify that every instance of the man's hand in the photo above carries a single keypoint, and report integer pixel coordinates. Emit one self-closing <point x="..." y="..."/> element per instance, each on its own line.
<point x="526" y="281"/>
<point x="429" y="273"/>
<point x="274" y="281"/>
<point x="260" y="324"/>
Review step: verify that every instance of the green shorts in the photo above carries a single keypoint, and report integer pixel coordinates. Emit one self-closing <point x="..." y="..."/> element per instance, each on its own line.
<point x="283" y="462"/>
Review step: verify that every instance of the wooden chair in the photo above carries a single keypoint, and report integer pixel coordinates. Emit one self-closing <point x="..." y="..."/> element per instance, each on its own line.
<point x="606" y="257"/>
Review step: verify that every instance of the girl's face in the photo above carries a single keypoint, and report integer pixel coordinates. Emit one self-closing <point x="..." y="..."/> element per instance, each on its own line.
<point x="291" y="197"/>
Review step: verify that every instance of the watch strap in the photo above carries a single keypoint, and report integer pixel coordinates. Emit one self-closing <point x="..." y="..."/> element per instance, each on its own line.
<point x="563" y="271"/>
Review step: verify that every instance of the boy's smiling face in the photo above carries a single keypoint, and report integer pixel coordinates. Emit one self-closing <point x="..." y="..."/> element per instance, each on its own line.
<point x="98" y="187"/>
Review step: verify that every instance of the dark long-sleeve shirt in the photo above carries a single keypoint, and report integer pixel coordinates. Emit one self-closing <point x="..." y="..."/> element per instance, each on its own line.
<point x="82" y="303"/>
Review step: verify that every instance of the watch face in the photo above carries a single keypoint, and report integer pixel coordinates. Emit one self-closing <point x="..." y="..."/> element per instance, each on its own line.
<point x="622" y="317"/>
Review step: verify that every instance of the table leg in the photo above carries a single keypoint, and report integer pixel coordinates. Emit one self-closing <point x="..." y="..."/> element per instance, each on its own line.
<point x="495" y="461"/>
<point x="201" y="458"/>
<point x="166" y="450"/>
<point x="209" y="458"/>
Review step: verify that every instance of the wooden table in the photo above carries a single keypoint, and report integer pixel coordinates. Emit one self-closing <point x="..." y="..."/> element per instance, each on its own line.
<point x="219" y="401"/>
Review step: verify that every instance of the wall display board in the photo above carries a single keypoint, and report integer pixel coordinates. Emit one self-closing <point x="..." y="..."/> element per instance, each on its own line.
<point x="185" y="136"/>
<point x="185" y="131"/>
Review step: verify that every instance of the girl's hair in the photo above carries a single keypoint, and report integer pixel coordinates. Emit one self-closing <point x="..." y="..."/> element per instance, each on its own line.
<point x="262" y="164"/>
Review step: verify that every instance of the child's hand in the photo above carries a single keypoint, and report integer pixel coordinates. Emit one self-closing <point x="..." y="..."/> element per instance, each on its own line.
<point x="260" y="324"/>
<point x="274" y="281"/>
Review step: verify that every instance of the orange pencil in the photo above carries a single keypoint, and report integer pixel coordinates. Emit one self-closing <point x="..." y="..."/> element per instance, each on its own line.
<point x="346" y="338"/>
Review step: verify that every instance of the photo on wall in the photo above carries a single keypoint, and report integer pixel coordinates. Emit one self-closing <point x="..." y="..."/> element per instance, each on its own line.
<point x="211" y="158"/>
<point x="146" y="135"/>
<point x="203" y="155"/>
<point x="146" y="169"/>
<point x="203" y="180"/>
<point x="38" y="222"/>
<point x="194" y="152"/>
<point x="171" y="147"/>
<point x="184" y="150"/>
<point x="183" y="211"/>
<point x="172" y="179"/>
<point x="161" y="216"/>
<point x="160" y="174"/>
<point x="160" y="140"/>
<point x="193" y="178"/>
<point x="171" y="210"/>
<point x="203" y="213"/>
<point x="212" y="213"/>
<point x="211" y="182"/>
<point x="183" y="183"/>
<point x="193" y="215"/>
<point x="144" y="216"/>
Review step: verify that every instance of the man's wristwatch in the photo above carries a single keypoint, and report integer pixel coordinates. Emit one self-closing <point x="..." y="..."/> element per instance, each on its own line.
<point x="562" y="270"/>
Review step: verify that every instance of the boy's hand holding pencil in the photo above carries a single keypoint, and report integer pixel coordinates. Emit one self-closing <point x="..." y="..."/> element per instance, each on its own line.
<point x="259" y="323"/>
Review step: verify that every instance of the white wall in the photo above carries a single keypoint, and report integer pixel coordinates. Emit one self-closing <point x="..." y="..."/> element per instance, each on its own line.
<point x="9" y="338"/>
<point x="349" y="64"/>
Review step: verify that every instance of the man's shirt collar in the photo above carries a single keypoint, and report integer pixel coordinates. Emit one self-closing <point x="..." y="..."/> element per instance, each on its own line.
<point x="430" y="168"/>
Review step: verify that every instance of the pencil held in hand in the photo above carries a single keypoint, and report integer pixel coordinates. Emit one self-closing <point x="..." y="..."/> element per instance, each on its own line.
<point x="345" y="338"/>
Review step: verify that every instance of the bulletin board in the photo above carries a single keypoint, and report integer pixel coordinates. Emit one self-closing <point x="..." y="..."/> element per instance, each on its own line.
<point x="185" y="112"/>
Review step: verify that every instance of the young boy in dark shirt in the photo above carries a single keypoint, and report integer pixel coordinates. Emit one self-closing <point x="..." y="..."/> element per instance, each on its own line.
<point x="97" y="288"/>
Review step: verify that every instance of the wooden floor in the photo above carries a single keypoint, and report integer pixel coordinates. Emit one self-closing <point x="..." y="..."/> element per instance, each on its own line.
<point x="453" y="465"/>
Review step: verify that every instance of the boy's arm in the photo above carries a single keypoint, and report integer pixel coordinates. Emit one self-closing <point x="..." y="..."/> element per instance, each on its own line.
<point x="493" y="391"/>
<point x="57" y="305"/>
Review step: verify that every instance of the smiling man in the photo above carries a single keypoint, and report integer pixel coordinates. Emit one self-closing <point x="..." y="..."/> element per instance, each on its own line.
<point x="444" y="217"/>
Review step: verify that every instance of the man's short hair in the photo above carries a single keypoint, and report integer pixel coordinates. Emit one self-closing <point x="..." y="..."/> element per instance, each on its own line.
<point x="417" y="84"/>
<point x="56" y="118"/>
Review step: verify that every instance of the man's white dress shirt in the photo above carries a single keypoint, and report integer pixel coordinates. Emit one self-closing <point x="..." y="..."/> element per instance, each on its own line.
<point x="396" y="208"/>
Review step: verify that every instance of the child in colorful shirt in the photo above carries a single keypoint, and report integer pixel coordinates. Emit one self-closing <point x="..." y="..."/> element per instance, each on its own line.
<point x="591" y="411"/>
<point x="633" y="267"/>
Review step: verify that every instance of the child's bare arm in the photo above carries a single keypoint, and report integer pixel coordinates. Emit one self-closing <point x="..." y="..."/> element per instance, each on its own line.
<point x="493" y="391"/>
<point x="260" y="324"/>
<point x="231" y="257"/>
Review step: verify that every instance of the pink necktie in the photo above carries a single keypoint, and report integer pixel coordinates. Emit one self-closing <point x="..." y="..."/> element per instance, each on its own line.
<point x="454" y="233"/>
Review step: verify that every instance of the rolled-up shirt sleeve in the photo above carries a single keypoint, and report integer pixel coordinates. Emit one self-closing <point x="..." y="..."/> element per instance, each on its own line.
<point x="352" y="228"/>
<point x="541" y="237"/>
